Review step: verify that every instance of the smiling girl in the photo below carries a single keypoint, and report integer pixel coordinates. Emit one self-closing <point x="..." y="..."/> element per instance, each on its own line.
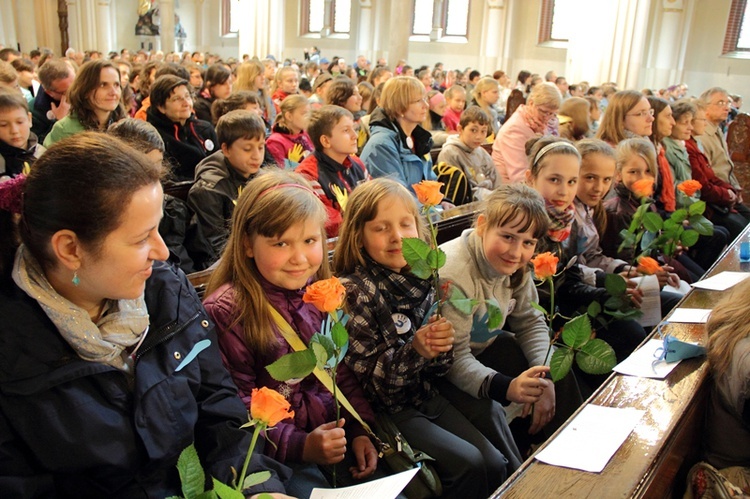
<point x="289" y="140"/>
<point x="397" y="350"/>
<point x="275" y="249"/>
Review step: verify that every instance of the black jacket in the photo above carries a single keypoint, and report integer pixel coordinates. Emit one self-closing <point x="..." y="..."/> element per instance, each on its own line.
<point x="12" y="159"/>
<point x="185" y="145"/>
<point x="73" y="428"/>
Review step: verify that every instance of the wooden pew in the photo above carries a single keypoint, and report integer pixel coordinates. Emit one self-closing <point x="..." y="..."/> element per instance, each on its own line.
<point x="654" y="460"/>
<point x="450" y="224"/>
<point x="738" y="144"/>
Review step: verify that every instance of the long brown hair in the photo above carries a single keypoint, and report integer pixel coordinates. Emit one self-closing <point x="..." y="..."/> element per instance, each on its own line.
<point x="612" y="127"/>
<point x="268" y="207"/>
<point x="588" y="147"/>
<point x="80" y="93"/>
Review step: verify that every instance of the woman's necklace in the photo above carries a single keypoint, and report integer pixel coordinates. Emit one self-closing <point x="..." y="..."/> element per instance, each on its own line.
<point x="410" y="142"/>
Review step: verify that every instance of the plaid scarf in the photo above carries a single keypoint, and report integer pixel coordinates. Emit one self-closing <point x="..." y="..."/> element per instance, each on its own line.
<point x="561" y="221"/>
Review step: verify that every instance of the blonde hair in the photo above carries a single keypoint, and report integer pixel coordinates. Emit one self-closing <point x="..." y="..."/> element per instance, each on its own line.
<point x="280" y="76"/>
<point x="247" y="72"/>
<point x="578" y="110"/>
<point x="398" y="93"/>
<point x="482" y="86"/>
<point x="361" y="208"/>
<point x="289" y="105"/>
<point x="588" y="147"/>
<point x="267" y="207"/>
<point x="728" y="324"/>
<point x="545" y="94"/>
<point x="637" y="146"/>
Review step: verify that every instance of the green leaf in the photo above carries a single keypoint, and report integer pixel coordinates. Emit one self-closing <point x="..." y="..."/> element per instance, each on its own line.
<point x="679" y="215"/>
<point x="420" y="269"/>
<point x="689" y="238"/>
<point x="255" y="479"/>
<point x="596" y="357"/>
<point x="560" y="363"/>
<point x="652" y="221"/>
<point x="460" y="301"/>
<point x="339" y="335"/>
<point x="209" y="494"/>
<point x="697" y="208"/>
<point x="539" y="307"/>
<point x="321" y="354"/>
<point x="224" y="491"/>
<point x="594" y="309"/>
<point x="669" y="224"/>
<point x="613" y="303"/>
<point x="495" y="314"/>
<point x="615" y="284"/>
<point x="632" y="313"/>
<point x="324" y="340"/>
<point x="577" y="332"/>
<point x="701" y="225"/>
<point x="293" y="365"/>
<point x="414" y="250"/>
<point x="191" y="472"/>
<point x="436" y="258"/>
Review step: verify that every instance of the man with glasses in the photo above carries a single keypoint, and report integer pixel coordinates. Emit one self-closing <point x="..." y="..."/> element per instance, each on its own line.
<point x="713" y="141"/>
<point x="51" y="104"/>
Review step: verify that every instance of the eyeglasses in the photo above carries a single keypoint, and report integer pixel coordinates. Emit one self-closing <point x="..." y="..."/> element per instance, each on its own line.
<point x="721" y="103"/>
<point x="642" y="114"/>
<point x="546" y="112"/>
<point x="423" y="100"/>
<point x="180" y="98"/>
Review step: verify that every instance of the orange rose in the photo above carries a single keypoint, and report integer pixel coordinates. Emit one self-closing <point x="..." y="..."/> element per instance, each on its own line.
<point x="428" y="192"/>
<point x="690" y="187"/>
<point x="545" y="265"/>
<point x="269" y="406"/>
<point x="325" y="295"/>
<point x="643" y="188"/>
<point x="648" y="266"/>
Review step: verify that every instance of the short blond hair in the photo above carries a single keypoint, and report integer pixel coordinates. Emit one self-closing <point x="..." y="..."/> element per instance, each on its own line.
<point x="483" y="85"/>
<point x="637" y="146"/>
<point x="398" y="94"/>
<point x="545" y="94"/>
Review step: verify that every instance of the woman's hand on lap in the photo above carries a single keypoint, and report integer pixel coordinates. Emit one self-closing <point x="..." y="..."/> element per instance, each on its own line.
<point x="326" y="444"/>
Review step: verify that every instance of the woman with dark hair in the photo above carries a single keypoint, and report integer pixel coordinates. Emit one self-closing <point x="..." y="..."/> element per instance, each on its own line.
<point x="218" y="85"/>
<point x="110" y="366"/>
<point x="95" y="101"/>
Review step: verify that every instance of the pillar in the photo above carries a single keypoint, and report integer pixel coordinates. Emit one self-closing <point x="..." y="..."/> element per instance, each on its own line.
<point x="166" y="29"/>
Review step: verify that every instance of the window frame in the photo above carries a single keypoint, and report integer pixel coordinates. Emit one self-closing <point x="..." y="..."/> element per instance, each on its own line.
<point x="734" y="28"/>
<point x="305" y="21"/>
<point x="225" y="20"/>
<point x="546" y="19"/>
<point x="421" y="37"/>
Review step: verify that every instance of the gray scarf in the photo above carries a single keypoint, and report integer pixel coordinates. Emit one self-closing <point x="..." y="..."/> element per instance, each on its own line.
<point x="121" y="325"/>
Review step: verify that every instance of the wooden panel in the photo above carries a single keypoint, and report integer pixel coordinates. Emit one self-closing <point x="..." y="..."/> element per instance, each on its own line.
<point x="654" y="459"/>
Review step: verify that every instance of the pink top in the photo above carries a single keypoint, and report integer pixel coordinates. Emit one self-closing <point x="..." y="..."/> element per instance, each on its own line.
<point x="509" y="149"/>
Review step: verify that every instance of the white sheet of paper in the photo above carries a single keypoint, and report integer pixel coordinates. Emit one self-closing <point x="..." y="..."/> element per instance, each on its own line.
<point x="651" y="304"/>
<point x="689" y="315"/>
<point x="682" y="289"/>
<point x="721" y="281"/>
<point x="589" y="441"/>
<point x="641" y="362"/>
<point x="383" y="488"/>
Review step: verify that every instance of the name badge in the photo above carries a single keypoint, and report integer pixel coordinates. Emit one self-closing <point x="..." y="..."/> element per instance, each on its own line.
<point x="402" y="322"/>
<point x="209" y="144"/>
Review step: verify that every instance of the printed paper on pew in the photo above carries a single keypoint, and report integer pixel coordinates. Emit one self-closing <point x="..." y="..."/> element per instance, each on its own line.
<point x="643" y="363"/>
<point x="690" y="315"/>
<point x="722" y="281"/>
<point x="589" y="441"/>
<point x="385" y="488"/>
<point x="651" y="304"/>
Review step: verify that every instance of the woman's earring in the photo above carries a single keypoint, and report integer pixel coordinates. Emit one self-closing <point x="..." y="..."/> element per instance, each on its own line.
<point x="76" y="280"/>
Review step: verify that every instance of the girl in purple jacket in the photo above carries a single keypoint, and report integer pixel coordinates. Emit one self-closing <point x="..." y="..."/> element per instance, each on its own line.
<point x="276" y="248"/>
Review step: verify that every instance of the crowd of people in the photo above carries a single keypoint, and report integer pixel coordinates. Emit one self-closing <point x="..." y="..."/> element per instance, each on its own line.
<point x="110" y="365"/>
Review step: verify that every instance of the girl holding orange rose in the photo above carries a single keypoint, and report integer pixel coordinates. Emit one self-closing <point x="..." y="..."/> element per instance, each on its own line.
<point x="492" y="369"/>
<point x="554" y="172"/>
<point x="276" y="248"/>
<point x="397" y="349"/>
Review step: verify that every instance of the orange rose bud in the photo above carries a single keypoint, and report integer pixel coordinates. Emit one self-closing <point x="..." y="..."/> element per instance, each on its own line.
<point x="545" y="265"/>
<point x="269" y="406"/>
<point x="326" y="295"/>
<point x="689" y="187"/>
<point x="428" y="192"/>
<point x="643" y="188"/>
<point x="648" y="266"/>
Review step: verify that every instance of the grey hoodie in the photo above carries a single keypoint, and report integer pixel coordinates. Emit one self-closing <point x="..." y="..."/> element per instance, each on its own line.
<point x="477" y="165"/>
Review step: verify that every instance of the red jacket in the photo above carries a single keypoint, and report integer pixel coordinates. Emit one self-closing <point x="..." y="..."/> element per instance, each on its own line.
<point x="713" y="189"/>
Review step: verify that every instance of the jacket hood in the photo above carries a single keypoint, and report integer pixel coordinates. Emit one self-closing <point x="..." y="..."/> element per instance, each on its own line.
<point x="454" y="140"/>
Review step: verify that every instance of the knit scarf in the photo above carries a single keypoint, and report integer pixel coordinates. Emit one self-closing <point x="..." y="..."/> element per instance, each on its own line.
<point x="561" y="221"/>
<point x="536" y="125"/>
<point x="121" y="326"/>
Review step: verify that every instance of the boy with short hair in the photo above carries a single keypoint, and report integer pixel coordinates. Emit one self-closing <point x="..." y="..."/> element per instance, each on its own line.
<point x="220" y="177"/>
<point x="465" y="151"/>
<point x="456" y="98"/>
<point x="333" y="168"/>
<point x="19" y="147"/>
